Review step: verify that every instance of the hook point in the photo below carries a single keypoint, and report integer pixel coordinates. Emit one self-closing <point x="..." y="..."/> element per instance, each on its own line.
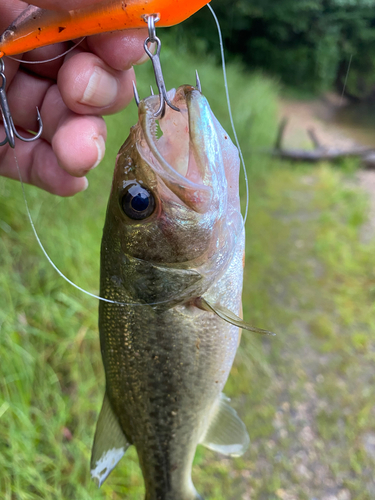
<point x="136" y="96"/>
<point x="198" y="82"/>
<point x="10" y="130"/>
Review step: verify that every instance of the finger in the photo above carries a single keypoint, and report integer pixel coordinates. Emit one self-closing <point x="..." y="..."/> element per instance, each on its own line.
<point x="79" y="144"/>
<point x="26" y="93"/>
<point x="10" y="10"/>
<point x="63" y="4"/>
<point x="11" y="68"/>
<point x="46" y="68"/>
<point x="120" y="50"/>
<point x="78" y="141"/>
<point x="89" y="86"/>
<point x="38" y="166"/>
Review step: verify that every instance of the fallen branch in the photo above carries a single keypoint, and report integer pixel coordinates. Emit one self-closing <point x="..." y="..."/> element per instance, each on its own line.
<point x="320" y="152"/>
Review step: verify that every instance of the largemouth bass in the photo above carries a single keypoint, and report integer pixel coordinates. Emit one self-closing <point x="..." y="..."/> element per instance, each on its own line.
<point x="172" y="261"/>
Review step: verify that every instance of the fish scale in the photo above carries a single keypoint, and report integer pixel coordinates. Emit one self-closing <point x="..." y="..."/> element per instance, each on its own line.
<point x="163" y="394"/>
<point x="167" y="361"/>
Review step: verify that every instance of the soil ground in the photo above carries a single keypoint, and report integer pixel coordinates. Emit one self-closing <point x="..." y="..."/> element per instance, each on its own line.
<point x="319" y="115"/>
<point x="315" y="114"/>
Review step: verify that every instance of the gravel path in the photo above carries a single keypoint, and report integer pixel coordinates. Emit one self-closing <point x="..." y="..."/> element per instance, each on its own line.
<point x="318" y="114"/>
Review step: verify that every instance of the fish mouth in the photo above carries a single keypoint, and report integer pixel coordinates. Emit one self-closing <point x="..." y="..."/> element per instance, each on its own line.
<point x="182" y="147"/>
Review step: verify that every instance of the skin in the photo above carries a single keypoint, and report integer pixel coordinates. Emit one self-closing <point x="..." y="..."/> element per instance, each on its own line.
<point x="167" y="365"/>
<point x="69" y="94"/>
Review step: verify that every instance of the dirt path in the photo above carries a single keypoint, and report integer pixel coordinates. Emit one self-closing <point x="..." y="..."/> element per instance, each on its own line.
<point x="321" y="443"/>
<point x="318" y="114"/>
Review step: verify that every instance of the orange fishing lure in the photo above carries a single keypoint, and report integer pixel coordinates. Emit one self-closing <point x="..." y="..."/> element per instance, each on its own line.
<point x="37" y="27"/>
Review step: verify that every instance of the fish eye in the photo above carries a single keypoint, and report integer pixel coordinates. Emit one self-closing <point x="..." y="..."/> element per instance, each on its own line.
<point x="137" y="202"/>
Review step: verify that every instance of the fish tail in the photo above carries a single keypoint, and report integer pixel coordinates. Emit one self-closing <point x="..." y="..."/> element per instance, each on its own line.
<point x="190" y="494"/>
<point x="195" y="496"/>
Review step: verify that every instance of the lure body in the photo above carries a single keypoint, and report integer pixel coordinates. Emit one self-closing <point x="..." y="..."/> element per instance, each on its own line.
<point x="37" y="27"/>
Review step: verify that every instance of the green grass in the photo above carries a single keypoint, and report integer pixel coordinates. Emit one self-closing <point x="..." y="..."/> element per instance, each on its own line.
<point x="306" y="396"/>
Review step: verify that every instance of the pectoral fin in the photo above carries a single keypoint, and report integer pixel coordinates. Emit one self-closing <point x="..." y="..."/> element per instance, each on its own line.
<point x="110" y="444"/>
<point x="226" y="433"/>
<point x="229" y="316"/>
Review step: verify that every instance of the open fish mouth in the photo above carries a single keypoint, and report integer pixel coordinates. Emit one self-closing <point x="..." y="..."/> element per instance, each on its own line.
<point x="166" y="363"/>
<point x="182" y="148"/>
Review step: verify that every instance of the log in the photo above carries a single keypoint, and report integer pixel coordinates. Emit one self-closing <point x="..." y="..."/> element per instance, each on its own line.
<point x="368" y="160"/>
<point x="320" y="152"/>
<point x="317" y="155"/>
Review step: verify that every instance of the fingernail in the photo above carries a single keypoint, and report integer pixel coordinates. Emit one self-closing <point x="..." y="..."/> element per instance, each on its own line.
<point x="101" y="90"/>
<point x="86" y="184"/>
<point x="145" y="57"/>
<point x="100" y="144"/>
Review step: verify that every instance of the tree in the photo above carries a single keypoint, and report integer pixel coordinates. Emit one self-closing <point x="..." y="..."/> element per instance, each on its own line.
<point x="308" y="43"/>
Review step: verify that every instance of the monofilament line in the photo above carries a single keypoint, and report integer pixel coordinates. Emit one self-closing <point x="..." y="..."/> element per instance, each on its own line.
<point x="54" y="265"/>
<point x="230" y="110"/>
<point x="48" y="60"/>
<point x="346" y="79"/>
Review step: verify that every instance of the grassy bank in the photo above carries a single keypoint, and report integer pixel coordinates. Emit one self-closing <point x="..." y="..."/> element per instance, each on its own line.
<point x="306" y="395"/>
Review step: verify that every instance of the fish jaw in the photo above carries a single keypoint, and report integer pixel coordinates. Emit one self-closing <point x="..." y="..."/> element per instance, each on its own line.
<point x="186" y="173"/>
<point x="194" y="154"/>
<point x="187" y="158"/>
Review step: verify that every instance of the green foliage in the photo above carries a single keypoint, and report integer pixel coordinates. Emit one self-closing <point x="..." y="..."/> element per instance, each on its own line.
<point x="51" y="375"/>
<point x="308" y="43"/>
<point x="306" y="395"/>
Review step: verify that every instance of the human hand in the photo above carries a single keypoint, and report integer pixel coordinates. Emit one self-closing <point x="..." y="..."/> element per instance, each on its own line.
<point x="72" y="93"/>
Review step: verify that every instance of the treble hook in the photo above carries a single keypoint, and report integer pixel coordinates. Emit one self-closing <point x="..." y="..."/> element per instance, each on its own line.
<point x="155" y="59"/>
<point x="10" y="130"/>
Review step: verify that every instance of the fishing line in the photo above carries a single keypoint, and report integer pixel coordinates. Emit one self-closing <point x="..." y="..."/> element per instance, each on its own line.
<point x="54" y="265"/>
<point x="48" y="60"/>
<point x="346" y="79"/>
<point x="27" y="205"/>
<point x="230" y="110"/>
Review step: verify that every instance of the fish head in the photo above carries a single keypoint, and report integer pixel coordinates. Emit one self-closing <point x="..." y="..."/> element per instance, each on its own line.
<point x="175" y="186"/>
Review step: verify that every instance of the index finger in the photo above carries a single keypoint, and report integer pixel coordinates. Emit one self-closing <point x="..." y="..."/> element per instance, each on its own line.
<point x="9" y="11"/>
<point x="63" y="4"/>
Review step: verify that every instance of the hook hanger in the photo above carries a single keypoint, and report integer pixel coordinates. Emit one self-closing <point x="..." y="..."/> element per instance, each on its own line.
<point x="10" y="129"/>
<point x="155" y="59"/>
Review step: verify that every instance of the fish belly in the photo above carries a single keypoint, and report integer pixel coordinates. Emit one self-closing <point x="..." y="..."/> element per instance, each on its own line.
<point x="164" y="371"/>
